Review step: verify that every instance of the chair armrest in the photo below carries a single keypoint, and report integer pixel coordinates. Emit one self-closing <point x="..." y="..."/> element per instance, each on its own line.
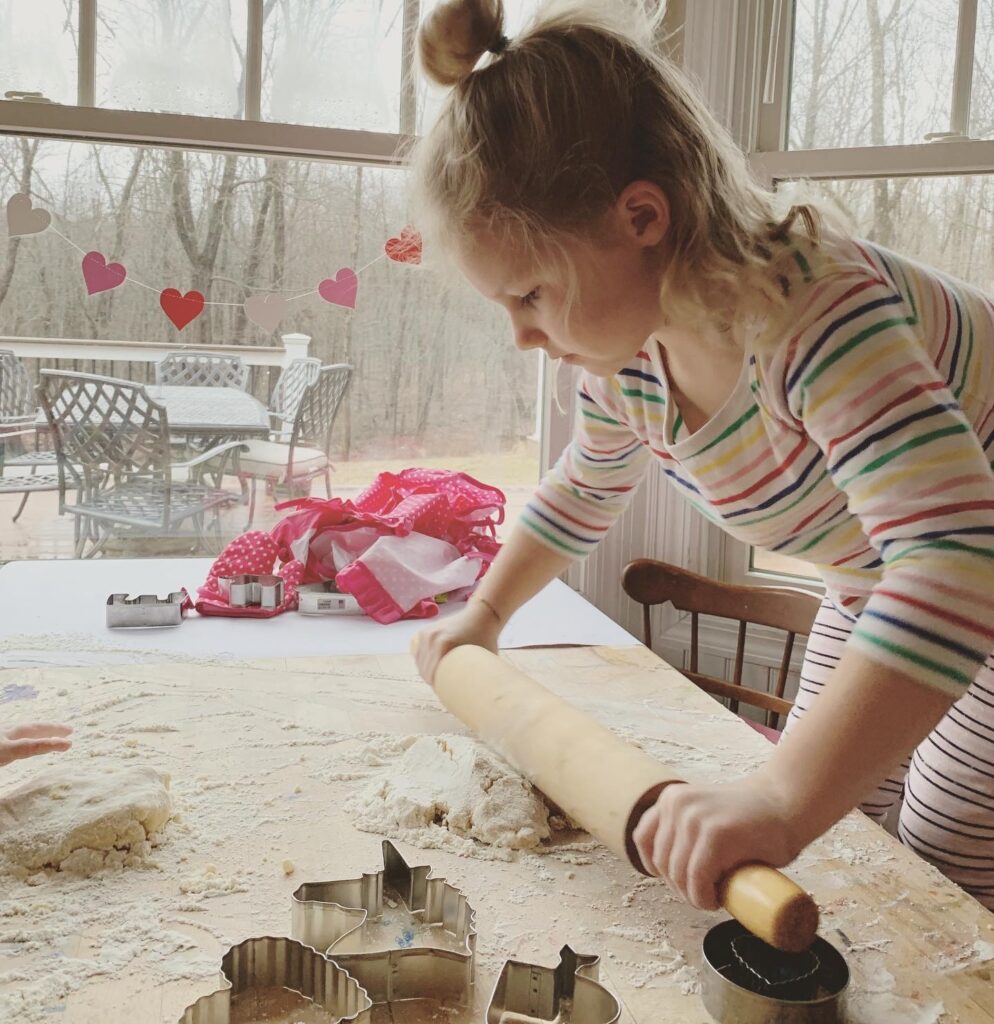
<point x="211" y="453"/>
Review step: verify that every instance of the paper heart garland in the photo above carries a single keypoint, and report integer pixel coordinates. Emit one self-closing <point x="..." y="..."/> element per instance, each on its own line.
<point x="22" y="219"/>
<point x="101" y="276"/>
<point x="181" y="309"/>
<point x="266" y="310"/>
<point x="406" y="249"/>
<point x="341" y="289"/>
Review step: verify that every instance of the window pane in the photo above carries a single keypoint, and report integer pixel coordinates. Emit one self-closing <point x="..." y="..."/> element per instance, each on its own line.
<point x="38" y="47"/>
<point x="946" y="222"/>
<point x="437" y="379"/>
<point x="982" y="106"/>
<point x="177" y="56"/>
<point x="871" y="72"/>
<point x="334" y="63"/>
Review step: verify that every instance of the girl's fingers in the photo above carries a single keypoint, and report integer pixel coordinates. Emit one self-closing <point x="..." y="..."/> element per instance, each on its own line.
<point x="15" y="750"/>
<point x="644" y="837"/>
<point x="38" y="730"/>
<point x="679" y="856"/>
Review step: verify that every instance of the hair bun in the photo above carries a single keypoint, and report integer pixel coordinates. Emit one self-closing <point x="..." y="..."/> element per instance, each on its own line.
<point x="456" y="35"/>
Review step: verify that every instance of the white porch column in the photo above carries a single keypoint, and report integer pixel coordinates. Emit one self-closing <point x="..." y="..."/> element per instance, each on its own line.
<point x="295" y="346"/>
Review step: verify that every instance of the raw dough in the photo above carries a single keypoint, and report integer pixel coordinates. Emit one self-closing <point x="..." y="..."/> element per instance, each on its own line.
<point x="457" y="783"/>
<point x="66" y="820"/>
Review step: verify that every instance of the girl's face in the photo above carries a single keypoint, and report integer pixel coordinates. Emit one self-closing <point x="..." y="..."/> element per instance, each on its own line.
<point x="615" y="306"/>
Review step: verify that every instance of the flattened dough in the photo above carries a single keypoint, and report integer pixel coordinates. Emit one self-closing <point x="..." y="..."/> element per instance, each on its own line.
<point x="457" y="783"/>
<point x="67" y="820"/>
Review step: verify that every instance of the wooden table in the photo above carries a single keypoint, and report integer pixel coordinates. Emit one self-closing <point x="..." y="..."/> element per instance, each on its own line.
<point x="260" y="755"/>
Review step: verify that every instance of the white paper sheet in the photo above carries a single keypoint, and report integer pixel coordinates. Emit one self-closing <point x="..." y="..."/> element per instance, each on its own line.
<point x="53" y="613"/>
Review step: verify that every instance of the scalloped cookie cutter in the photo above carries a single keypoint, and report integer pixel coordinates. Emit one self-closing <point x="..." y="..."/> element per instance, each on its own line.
<point x="327" y="915"/>
<point x="282" y="963"/>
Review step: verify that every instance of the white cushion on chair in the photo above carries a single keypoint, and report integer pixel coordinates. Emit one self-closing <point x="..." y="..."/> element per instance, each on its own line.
<point x="269" y="459"/>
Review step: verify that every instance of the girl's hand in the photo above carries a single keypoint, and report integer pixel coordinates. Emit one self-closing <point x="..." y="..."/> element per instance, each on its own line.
<point x="475" y="624"/>
<point x="30" y="740"/>
<point x="693" y="835"/>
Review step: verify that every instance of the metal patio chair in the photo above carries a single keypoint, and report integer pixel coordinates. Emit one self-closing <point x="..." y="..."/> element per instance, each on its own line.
<point x="20" y="440"/>
<point x="113" y="448"/>
<point x="202" y="370"/>
<point x="288" y="394"/>
<point x="295" y="463"/>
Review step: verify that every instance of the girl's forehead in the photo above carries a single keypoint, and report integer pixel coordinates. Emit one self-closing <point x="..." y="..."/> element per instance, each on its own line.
<point x="499" y="266"/>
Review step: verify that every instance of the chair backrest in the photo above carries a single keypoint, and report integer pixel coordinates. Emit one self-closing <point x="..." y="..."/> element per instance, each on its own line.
<point x="202" y="370"/>
<point x="319" y="407"/>
<point x="651" y="583"/>
<point x="105" y="429"/>
<point x="17" y="401"/>
<point x="289" y="390"/>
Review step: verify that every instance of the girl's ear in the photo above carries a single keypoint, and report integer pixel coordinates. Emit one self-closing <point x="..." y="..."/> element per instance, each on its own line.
<point x="643" y="211"/>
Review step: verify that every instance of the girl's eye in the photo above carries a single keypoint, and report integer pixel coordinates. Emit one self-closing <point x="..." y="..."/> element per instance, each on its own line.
<point x="529" y="299"/>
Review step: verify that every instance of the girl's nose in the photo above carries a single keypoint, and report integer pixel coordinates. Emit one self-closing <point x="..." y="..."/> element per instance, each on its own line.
<point x="527" y="338"/>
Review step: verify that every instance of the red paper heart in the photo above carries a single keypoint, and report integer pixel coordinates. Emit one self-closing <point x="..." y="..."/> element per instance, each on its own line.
<point x="406" y="249"/>
<point x="181" y="309"/>
<point x="341" y="289"/>
<point x="101" y="276"/>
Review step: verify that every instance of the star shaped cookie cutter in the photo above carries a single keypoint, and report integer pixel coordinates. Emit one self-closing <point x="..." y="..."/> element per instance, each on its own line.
<point x="337" y="916"/>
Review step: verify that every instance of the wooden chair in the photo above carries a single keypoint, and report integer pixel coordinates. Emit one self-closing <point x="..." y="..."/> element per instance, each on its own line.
<point x="650" y="583"/>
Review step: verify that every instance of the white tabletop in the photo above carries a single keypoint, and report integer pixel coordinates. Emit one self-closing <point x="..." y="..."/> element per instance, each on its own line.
<point x="210" y="410"/>
<point x="54" y="613"/>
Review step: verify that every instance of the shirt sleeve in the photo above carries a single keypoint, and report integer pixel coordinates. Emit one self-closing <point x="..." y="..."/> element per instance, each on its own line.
<point x="860" y="381"/>
<point x="593" y="481"/>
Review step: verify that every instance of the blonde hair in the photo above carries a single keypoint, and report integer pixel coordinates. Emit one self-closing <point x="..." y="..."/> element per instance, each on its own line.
<point x="536" y="144"/>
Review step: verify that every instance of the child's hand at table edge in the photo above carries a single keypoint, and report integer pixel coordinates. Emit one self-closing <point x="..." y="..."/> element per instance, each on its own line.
<point x="33" y="739"/>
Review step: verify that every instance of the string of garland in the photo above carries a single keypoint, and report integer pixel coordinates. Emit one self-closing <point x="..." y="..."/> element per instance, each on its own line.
<point x="266" y="309"/>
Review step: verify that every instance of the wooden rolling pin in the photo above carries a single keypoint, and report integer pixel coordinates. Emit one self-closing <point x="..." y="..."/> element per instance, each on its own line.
<point x="601" y="782"/>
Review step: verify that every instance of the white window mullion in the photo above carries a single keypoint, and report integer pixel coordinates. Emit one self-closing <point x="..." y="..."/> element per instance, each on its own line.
<point x="966" y="39"/>
<point x="253" y="61"/>
<point x="408" y="77"/>
<point x="86" y="72"/>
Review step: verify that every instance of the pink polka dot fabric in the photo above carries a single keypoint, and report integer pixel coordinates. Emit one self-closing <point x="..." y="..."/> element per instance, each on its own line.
<point x="390" y="581"/>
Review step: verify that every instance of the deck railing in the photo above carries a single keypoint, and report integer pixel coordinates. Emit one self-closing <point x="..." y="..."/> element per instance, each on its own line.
<point x="135" y="360"/>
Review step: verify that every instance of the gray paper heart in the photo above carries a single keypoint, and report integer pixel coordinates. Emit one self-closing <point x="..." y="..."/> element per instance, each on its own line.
<point x="22" y="220"/>
<point x="266" y="310"/>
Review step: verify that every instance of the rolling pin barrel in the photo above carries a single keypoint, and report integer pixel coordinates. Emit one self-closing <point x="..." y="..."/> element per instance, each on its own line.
<point x="601" y="782"/>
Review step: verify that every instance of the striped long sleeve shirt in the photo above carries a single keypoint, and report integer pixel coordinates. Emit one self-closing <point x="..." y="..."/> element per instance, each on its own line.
<point x="858" y="438"/>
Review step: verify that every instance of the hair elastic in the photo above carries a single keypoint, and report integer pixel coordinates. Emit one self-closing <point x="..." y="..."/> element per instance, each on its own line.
<point x="500" y="44"/>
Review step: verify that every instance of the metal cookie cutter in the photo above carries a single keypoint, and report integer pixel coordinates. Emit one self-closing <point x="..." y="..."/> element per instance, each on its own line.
<point x="432" y="956"/>
<point x="146" y="610"/>
<point x="326" y="599"/>
<point x="570" y="991"/>
<point x="263" y="590"/>
<point x="279" y="963"/>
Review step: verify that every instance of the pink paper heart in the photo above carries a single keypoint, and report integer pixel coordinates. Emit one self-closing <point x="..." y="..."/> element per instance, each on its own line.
<point x="266" y="310"/>
<point x="340" y="289"/>
<point x="22" y="219"/>
<point x="101" y="276"/>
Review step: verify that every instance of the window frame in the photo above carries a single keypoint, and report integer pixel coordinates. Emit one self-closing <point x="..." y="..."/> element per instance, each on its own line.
<point x="744" y="49"/>
<point x="249" y="135"/>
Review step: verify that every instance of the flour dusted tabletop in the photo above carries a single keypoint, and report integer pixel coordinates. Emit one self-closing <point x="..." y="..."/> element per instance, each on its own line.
<point x="263" y="758"/>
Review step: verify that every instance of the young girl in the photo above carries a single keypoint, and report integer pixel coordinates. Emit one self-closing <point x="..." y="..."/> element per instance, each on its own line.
<point x="811" y="393"/>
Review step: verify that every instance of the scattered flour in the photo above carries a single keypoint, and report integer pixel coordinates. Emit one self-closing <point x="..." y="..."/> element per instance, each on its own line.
<point x="65" y="820"/>
<point x="452" y="784"/>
